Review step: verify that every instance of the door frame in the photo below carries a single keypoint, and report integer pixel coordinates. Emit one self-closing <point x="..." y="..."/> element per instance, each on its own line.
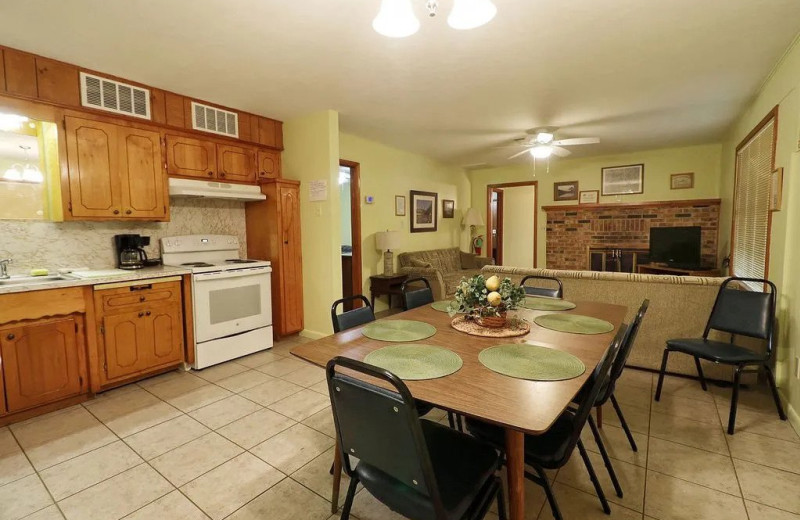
<point x="489" y="189"/>
<point x="355" y="225"/>
<point x="489" y="243"/>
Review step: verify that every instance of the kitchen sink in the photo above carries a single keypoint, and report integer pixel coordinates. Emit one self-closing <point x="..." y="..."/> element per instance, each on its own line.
<point x="33" y="280"/>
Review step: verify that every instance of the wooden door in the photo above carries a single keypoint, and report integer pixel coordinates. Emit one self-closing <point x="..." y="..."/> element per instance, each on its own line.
<point x="144" y="189"/>
<point x="125" y="341"/>
<point x="291" y="259"/>
<point x="93" y="163"/>
<point x="41" y="362"/>
<point x="188" y="157"/>
<point x="269" y="164"/>
<point x="236" y="163"/>
<point x="165" y="335"/>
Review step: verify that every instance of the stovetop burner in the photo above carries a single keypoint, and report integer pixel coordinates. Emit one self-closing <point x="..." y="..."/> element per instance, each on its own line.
<point x="240" y="261"/>
<point x="197" y="264"/>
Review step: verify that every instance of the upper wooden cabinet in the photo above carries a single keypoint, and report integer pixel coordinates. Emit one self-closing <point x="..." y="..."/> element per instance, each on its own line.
<point x="189" y="157"/>
<point x="20" y="72"/>
<point x="58" y="82"/>
<point x="205" y="159"/>
<point x="269" y="164"/>
<point x="236" y="163"/>
<point x="115" y="172"/>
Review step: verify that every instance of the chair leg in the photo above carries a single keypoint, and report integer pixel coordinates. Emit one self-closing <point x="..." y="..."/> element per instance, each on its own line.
<point x="606" y="460"/>
<point x="700" y="373"/>
<point x="774" y="388"/>
<point x="336" y="471"/>
<point x="548" y="491"/>
<point x="734" y="399"/>
<point x="661" y="374"/>
<point x="593" y="476"/>
<point x="348" y="501"/>
<point x="501" y="501"/>
<point x="451" y="418"/>
<point x="624" y="423"/>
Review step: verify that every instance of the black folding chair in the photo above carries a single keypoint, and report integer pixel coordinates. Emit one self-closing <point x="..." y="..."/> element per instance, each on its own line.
<point x="543" y="291"/>
<point x="552" y="449"/>
<point x="418" y="468"/>
<point x="352" y="318"/>
<point x="739" y="312"/>
<point x="416" y="297"/>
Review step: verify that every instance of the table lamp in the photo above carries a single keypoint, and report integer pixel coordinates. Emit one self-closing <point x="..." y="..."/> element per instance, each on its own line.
<point x="387" y="241"/>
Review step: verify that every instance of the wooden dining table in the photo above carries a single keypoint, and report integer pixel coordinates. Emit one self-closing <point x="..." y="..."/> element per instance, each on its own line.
<point x="519" y="406"/>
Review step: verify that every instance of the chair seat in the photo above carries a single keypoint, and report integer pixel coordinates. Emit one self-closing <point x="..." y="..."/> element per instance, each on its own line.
<point x="717" y="351"/>
<point x="463" y="467"/>
<point x="544" y="450"/>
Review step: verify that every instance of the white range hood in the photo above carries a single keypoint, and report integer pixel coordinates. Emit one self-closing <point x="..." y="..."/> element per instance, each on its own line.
<point x="214" y="190"/>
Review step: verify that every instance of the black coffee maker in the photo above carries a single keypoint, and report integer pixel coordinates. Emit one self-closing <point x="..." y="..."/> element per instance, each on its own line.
<point x="130" y="252"/>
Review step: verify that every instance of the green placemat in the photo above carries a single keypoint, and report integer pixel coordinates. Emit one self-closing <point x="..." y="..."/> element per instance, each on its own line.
<point x="415" y="361"/>
<point x="574" y="323"/>
<point x="398" y="330"/>
<point x="539" y="303"/>
<point x="534" y="362"/>
<point x="442" y="305"/>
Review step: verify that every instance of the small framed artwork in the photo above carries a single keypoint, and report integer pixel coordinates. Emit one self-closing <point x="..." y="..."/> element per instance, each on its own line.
<point x="565" y="190"/>
<point x="681" y="181"/>
<point x="400" y="205"/>
<point x="424" y="214"/>
<point x="776" y="190"/>
<point x="622" y="180"/>
<point x="589" y="197"/>
<point x="448" y="208"/>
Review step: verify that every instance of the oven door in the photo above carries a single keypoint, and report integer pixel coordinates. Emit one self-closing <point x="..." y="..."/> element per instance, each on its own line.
<point x="231" y="302"/>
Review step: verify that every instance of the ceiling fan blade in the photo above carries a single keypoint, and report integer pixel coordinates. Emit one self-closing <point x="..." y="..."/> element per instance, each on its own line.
<point x="519" y="153"/>
<point x="561" y="152"/>
<point x="576" y="140"/>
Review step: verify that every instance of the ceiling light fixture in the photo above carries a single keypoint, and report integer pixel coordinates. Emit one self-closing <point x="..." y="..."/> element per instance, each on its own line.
<point x="544" y="137"/>
<point x="541" y="151"/>
<point x="469" y="14"/>
<point x="396" y="18"/>
<point x="24" y="173"/>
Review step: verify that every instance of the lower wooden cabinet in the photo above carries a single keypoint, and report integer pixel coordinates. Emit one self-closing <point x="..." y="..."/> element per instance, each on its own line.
<point x="43" y="361"/>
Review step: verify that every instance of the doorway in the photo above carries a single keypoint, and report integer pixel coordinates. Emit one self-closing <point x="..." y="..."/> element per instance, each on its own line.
<point x="350" y="195"/>
<point x="512" y="214"/>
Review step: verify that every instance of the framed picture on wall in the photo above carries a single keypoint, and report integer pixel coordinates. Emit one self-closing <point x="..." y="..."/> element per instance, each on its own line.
<point x="448" y="208"/>
<point x="681" y="181"/>
<point x="400" y="205"/>
<point x="565" y="190"/>
<point x="622" y="180"/>
<point x="424" y="211"/>
<point x="589" y="197"/>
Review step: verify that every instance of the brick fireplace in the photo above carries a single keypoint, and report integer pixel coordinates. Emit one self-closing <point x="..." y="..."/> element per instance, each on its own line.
<point x="573" y="230"/>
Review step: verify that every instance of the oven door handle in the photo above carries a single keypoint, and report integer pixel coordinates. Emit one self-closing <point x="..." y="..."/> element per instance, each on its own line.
<point x="232" y="274"/>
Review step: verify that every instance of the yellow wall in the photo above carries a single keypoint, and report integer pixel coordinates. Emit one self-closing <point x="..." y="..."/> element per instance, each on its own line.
<point x="781" y="88"/>
<point x="312" y="153"/>
<point x="386" y="172"/>
<point x="703" y="160"/>
<point x="518" y="211"/>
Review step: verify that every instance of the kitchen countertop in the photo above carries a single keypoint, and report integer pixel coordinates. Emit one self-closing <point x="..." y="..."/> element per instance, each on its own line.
<point x="139" y="274"/>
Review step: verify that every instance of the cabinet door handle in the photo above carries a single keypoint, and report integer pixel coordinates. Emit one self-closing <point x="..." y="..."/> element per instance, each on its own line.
<point x="142" y="298"/>
<point x="210" y="174"/>
<point x="116" y="212"/>
<point x="222" y="175"/>
<point x="141" y="314"/>
<point x="128" y="212"/>
<point x="147" y="313"/>
<point x="263" y="174"/>
<point x="10" y="337"/>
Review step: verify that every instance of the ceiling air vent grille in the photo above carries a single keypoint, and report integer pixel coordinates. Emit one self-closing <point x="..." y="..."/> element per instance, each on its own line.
<point x="215" y="120"/>
<point x="113" y="96"/>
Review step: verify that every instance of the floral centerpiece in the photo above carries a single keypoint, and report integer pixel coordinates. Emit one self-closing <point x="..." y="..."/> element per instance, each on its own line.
<point x="487" y="300"/>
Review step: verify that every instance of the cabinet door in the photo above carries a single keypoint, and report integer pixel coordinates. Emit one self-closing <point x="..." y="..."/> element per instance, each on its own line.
<point x="236" y="163"/>
<point x="93" y="162"/>
<point x="269" y="164"/>
<point x="20" y="71"/>
<point x="165" y="335"/>
<point x="125" y="344"/>
<point x="142" y="174"/>
<point x="58" y="82"/>
<point x="291" y="259"/>
<point x="191" y="157"/>
<point x="41" y="362"/>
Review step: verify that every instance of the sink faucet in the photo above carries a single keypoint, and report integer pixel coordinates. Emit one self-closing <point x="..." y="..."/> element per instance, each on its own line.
<point x="4" y="269"/>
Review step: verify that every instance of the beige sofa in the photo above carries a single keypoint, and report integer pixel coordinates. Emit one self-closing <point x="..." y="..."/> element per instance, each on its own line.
<point x="679" y="308"/>
<point x="443" y="268"/>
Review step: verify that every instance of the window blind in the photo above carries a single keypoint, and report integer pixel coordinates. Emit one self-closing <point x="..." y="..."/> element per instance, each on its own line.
<point x="754" y="164"/>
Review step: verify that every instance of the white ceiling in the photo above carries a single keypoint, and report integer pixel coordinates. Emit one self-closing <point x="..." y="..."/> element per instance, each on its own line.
<point x="637" y="73"/>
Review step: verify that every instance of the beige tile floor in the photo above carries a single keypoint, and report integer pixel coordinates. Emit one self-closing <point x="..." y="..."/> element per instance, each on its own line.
<point x="253" y="438"/>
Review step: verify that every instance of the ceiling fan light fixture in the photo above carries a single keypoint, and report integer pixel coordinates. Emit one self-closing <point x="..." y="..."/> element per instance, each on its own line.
<point x="544" y="137"/>
<point x="396" y="19"/>
<point x="469" y="14"/>
<point x="541" y="151"/>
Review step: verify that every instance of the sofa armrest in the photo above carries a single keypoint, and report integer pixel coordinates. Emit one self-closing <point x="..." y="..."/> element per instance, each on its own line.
<point x="433" y="275"/>
<point x="481" y="261"/>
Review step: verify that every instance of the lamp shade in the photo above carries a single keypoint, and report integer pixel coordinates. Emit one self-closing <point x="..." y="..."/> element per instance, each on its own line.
<point x="472" y="218"/>
<point x="388" y="240"/>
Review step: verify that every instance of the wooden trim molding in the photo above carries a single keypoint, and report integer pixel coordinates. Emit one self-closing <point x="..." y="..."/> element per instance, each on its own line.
<point x="653" y="204"/>
<point x="355" y="229"/>
<point x="489" y="189"/>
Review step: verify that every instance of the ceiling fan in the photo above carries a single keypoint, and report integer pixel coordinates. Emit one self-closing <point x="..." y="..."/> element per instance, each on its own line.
<point x="541" y="143"/>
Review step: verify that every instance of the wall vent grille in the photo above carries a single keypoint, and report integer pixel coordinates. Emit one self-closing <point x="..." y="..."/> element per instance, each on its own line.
<point x="214" y="120"/>
<point x="113" y="96"/>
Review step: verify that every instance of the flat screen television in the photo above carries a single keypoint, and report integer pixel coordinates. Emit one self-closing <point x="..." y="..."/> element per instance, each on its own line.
<point x="676" y="246"/>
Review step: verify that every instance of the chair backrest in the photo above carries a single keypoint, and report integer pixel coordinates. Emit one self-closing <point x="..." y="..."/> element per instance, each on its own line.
<point x="557" y="292"/>
<point x="628" y="340"/>
<point x="744" y="312"/>
<point x="353" y="318"/>
<point x="381" y="427"/>
<point x="413" y="298"/>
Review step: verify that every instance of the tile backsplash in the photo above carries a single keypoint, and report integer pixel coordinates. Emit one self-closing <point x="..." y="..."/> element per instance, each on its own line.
<point x="56" y="245"/>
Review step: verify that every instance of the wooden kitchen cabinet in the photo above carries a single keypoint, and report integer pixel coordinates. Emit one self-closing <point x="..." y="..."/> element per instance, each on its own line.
<point x="42" y="361"/>
<point x="273" y="231"/>
<point x="20" y="72"/>
<point x="236" y="163"/>
<point x="269" y="164"/>
<point x="115" y="171"/>
<point x="58" y="82"/>
<point x="189" y="157"/>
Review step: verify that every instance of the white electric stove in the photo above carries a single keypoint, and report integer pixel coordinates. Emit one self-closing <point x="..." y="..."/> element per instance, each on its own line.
<point x="231" y="296"/>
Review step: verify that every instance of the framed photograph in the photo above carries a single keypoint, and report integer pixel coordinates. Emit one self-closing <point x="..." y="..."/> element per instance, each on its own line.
<point x="424" y="214"/>
<point x="589" y="197"/>
<point x="400" y="205"/>
<point x="681" y="181"/>
<point x="776" y="190"/>
<point x="622" y="180"/>
<point x="565" y="190"/>
<point x="448" y="208"/>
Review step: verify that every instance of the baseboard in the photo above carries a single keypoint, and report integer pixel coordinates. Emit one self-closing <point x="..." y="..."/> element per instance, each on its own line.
<point x="794" y="417"/>
<point x="313" y="334"/>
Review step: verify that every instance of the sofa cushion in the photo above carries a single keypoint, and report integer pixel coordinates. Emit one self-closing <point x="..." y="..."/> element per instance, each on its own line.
<point x="452" y="279"/>
<point x="441" y="259"/>
<point x="467" y="260"/>
<point x="418" y="262"/>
